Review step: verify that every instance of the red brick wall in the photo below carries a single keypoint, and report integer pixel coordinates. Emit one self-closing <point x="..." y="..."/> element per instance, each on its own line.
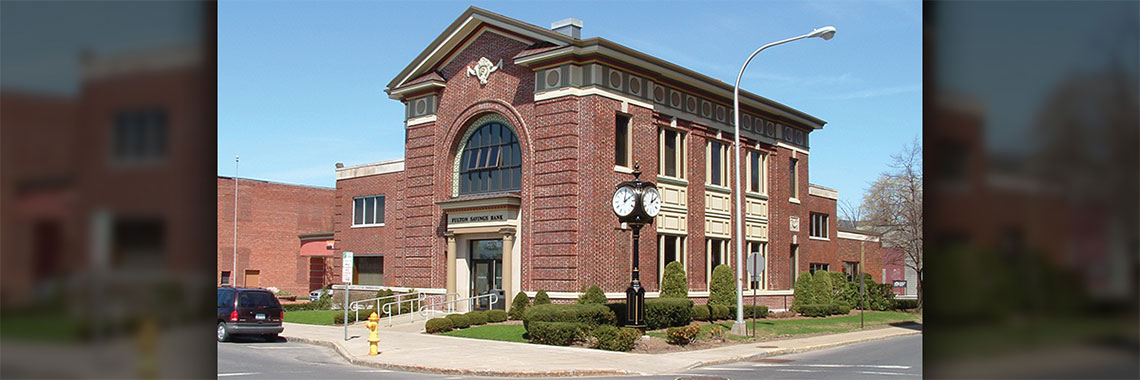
<point x="819" y="251"/>
<point x="270" y="217"/>
<point x="383" y="240"/>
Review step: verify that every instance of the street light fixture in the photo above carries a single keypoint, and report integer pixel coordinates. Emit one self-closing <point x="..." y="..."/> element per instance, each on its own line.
<point x="738" y="327"/>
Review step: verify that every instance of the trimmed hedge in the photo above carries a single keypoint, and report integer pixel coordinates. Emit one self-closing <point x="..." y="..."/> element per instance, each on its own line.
<point x="611" y="338"/>
<point x="898" y="304"/>
<point x="495" y="316"/>
<point x="519" y="305"/>
<point x="720" y="313"/>
<point x="701" y="312"/>
<point x="438" y="325"/>
<point x="674" y="284"/>
<point x="618" y="308"/>
<point x="541" y="298"/>
<point x="555" y="333"/>
<point x="305" y="306"/>
<point x="338" y="318"/>
<point x="592" y="296"/>
<point x="459" y="320"/>
<point x="681" y="335"/>
<point x="722" y="287"/>
<point x="759" y="311"/>
<point x="477" y="317"/>
<point x="589" y="316"/>
<point x="668" y="312"/>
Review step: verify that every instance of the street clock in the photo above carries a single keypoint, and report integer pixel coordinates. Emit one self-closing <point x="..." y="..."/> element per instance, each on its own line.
<point x="636" y="203"/>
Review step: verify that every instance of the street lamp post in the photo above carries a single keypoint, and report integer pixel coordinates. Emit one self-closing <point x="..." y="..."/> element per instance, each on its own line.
<point x="738" y="327"/>
<point x="233" y="274"/>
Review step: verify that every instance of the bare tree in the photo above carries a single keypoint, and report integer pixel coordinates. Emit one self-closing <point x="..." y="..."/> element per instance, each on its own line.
<point x="893" y="207"/>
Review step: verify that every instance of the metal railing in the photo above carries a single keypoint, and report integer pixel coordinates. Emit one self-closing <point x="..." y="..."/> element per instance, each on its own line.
<point x="450" y="305"/>
<point x="355" y="305"/>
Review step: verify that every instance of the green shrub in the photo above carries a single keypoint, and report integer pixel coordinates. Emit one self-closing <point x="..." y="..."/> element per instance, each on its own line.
<point x="460" y="321"/>
<point x="496" y="316"/>
<point x="555" y="333"/>
<point x="592" y="296"/>
<point x="681" y="335"/>
<point x="720" y="313"/>
<point x="898" y="304"/>
<point x="541" y="298"/>
<point x="519" y="305"/>
<point x="338" y="318"/>
<point x="589" y="316"/>
<point x="815" y="310"/>
<point x="438" y="325"/>
<point x="841" y="308"/>
<point x="718" y="332"/>
<point x="758" y="311"/>
<point x="701" y="313"/>
<point x="668" y="312"/>
<point x="722" y="288"/>
<point x="674" y="284"/>
<point x="878" y="296"/>
<point x="477" y="317"/>
<point x="611" y="338"/>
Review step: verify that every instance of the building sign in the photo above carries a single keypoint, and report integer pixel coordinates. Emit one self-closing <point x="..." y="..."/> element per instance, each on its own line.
<point x="461" y="219"/>
<point x="346" y="268"/>
<point x="899" y="283"/>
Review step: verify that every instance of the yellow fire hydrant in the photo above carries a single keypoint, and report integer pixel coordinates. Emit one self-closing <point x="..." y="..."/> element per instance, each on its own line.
<point x="373" y="335"/>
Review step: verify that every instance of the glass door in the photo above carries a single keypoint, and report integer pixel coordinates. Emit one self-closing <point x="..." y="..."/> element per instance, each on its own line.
<point x="486" y="271"/>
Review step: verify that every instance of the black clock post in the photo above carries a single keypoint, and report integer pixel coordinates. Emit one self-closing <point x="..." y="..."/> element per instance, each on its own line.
<point x="636" y="203"/>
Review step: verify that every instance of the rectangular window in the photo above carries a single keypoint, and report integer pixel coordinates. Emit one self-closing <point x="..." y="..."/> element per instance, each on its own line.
<point x="671" y="144"/>
<point x="794" y="182"/>
<point x="368" y="211"/>
<point x="368" y="270"/>
<point x="716" y="253"/>
<point x="818" y="267"/>
<point x="139" y="135"/>
<point x="850" y="268"/>
<point x="717" y="169"/>
<point x="756" y="172"/>
<point x="225" y="278"/>
<point x="670" y="248"/>
<point x="762" y="250"/>
<point x="818" y="226"/>
<point x="621" y="141"/>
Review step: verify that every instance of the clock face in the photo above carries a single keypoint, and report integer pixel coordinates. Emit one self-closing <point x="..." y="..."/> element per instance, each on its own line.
<point x="623" y="201"/>
<point x="651" y="202"/>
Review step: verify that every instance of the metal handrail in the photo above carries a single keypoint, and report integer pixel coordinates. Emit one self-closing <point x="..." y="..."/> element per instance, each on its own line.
<point x="421" y="296"/>
<point x="492" y="298"/>
<point x="440" y="299"/>
<point x="355" y="305"/>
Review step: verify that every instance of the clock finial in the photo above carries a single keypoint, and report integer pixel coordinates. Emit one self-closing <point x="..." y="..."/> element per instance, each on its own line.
<point x="636" y="170"/>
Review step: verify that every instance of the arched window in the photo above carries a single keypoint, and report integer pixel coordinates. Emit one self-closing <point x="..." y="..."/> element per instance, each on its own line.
<point x="490" y="161"/>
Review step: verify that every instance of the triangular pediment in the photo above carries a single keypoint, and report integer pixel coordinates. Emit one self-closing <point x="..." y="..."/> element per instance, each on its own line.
<point x="472" y="22"/>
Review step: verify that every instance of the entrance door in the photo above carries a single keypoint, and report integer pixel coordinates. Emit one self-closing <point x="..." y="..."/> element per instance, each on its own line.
<point x="487" y="271"/>
<point x="252" y="278"/>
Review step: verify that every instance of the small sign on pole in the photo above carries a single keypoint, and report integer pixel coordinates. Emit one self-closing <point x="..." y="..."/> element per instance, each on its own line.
<point x="346" y="277"/>
<point x="755" y="266"/>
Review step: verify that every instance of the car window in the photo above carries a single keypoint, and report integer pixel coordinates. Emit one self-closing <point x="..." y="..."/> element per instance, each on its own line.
<point x="225" y="298"/>
<point x="257" y="299"/>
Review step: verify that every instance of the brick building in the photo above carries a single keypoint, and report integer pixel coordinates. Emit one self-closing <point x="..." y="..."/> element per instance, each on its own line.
<point x="284" y="235"/>
<point x="516" y="137"/>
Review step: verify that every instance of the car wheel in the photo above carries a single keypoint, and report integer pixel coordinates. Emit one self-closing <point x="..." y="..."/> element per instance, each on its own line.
<point x="223" y="332"/>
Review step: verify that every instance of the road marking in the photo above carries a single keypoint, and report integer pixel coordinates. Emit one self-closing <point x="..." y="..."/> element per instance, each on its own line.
<point x="794" y="370"/>
<point x="238" y="374"/>
<point x="724" y="369"/>
<point x="833" y="365"/>
<point x="278" y="348"/>
<point x="885" y="373"/>
<point x="374" y="371"/>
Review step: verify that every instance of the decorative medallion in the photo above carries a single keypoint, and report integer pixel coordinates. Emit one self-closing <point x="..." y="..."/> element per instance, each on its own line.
<point x="483" y="69"/>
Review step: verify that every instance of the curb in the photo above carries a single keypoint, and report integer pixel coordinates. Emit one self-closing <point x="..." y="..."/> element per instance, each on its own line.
<point x="787" y="351"/>
<point x="454" y="371"/>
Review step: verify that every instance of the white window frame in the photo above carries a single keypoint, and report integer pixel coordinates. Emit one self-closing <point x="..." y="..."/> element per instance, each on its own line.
<point x="724" y="246"/>
<point x="794" y="179"/>
<point x="681" y="153"/>
<point x="762" y="163"/>
<point x="818" y="226"/>
<point x="379" y="210"/>
<point x="812" y="267"/>
<point x="683" y="252"/>
<point x="763" y="253"/>
<point x="723" y="154"/>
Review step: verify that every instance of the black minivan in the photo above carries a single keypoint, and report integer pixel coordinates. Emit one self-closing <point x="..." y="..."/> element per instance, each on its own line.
<point x="248" y="311"/>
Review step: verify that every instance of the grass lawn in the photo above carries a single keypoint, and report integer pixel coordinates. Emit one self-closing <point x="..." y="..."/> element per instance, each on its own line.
<point x="507" y="333"/>
<point x="312" y="317"/>
<point x="47" y="326"/>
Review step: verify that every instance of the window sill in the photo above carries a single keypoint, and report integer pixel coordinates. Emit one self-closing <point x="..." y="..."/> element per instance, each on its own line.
<point x="718" y="188"/>
<point x="755" y="195"/>
<point x="672" y="180"/>
<point x="818" y="238"/>
<point x="367" y="225"/>
<point x="794" y="200"/>
<point x="622" y="169"/>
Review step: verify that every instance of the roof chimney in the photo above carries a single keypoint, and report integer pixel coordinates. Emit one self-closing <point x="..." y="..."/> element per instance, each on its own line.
<point x="571" y="27"/>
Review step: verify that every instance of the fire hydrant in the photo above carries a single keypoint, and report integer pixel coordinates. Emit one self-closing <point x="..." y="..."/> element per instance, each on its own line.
<point x="373" y="335"/>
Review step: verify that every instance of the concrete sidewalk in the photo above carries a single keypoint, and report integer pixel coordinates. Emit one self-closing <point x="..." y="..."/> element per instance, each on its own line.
<point x="411" y="351"/>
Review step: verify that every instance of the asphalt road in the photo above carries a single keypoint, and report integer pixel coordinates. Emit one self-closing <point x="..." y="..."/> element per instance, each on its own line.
<point x="894" y="358"/>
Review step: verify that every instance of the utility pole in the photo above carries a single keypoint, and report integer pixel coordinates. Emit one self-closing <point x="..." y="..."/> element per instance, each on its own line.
<point x="862" y="286"/>
<point x="233" y="274"/>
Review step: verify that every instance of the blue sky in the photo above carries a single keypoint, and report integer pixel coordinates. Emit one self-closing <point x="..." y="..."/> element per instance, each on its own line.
<point x="300" y="84"/>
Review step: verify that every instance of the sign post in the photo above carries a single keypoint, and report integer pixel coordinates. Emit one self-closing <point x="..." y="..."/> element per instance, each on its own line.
<point x="346" y="277"/>
<point x="755" y="267"/>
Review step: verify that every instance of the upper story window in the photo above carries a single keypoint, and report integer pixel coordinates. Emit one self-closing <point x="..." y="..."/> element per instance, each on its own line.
<point x="671" y="144"/>
<point x="793" y="171"/>
<point x="756" y="180"/>
<point x="490" y="161"/>
<point x="717" y="168"/>
<point x="139" y="135"/>
<point x="368" y="211"/>
<point x="818" y="225"/>
<point x="622" y="141"/>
